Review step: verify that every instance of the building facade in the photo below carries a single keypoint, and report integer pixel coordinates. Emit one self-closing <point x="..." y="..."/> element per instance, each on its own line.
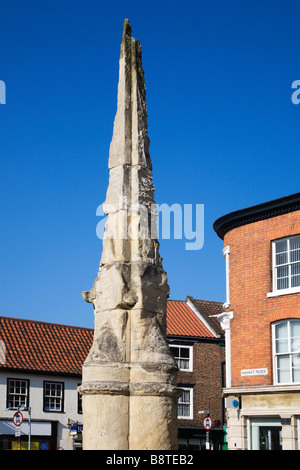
<point x="40" y="371"/>
<point x="197" y="342"/>
<point x="261" y="320"/>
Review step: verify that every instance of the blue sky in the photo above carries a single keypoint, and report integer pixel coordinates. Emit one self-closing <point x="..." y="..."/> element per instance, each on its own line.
<point x="223" y="130"/>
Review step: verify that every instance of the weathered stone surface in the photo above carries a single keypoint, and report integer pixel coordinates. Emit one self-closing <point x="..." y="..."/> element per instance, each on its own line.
<point x="129" y="377"/>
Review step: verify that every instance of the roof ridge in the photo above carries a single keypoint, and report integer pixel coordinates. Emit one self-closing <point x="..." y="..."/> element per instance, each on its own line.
<point x="203" y="300"/>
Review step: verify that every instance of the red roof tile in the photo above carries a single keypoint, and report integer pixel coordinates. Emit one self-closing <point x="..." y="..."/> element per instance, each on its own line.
<point x="182" y="321"/>
<point x="209" y="309"/>
<point x="43" y="347"/>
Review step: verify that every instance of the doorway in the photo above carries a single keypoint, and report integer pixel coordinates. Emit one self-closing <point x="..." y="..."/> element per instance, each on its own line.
<point x="265" y="434"/>
<point x="270" y="438"/>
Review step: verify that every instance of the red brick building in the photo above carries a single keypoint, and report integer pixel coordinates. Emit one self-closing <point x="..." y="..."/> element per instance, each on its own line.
<point x="197" y="342"/>
<point x="262" y="324"/>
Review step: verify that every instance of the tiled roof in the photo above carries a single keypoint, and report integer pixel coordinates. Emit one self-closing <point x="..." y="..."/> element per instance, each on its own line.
<point x="209" y="309"/>
<point x="51" y="348"/>
<point x="182" y="321"/>
<point x="44" y="347"/>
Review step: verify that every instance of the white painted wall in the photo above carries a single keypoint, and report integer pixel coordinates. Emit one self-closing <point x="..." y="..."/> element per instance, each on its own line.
<point x="64" y="439"/>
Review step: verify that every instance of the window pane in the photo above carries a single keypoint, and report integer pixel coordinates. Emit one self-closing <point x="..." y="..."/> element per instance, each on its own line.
<point x="281" y="335"/>
<point x="281" y="252"/>
<point x="281" y="246"/>
<point x="296" y="375"/>
<point x="296" y="360"/>
<point x="295" y="249"/>
<point x="295" y="328"/>
<point x="281" y="330"/>
<point x="184" y="352"/>
<point x="283" y="363"/>
<point x="295" y="336"/>
<point x="281" y="345"/>
<point x="295" y="275"/>
<point x="183" y="410"/>
<point x="295" y="344"/>
<point x="281" y="258"/>
<point x="175" y="351"/>
<point x="283" y="277"/>
<point x="183" y="363"/>
<point x="296" y="367"/>
<point x="185" y="397"/>
<point x="295" y="255"/>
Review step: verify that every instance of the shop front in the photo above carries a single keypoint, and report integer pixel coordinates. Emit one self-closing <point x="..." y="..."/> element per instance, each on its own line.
<point x="37" y="435"/>
<point x="265" y="419"/>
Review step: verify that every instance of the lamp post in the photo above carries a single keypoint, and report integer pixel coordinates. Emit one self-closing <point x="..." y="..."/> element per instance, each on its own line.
<point x="24" y="408"/>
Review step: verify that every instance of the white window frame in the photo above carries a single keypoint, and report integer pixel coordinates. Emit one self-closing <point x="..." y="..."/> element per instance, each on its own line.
<point x="16" y="398"/>
<point x="190" y="348"/>
<point x="289" y="352"/>
<point x="290" y="290"/>
<point x="226" y="253"/>
<point x="53" y="396"/>
<point x="190" y="416"/>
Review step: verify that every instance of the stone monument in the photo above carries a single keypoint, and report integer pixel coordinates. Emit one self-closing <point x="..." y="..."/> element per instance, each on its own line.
<point x="129" y="392"/>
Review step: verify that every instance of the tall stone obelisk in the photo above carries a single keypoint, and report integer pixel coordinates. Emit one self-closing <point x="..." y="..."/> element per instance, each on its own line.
<point x="128" y="386"/>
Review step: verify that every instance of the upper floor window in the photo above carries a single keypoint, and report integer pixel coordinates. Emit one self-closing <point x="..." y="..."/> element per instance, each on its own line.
<point x="17" y="393"/>
<point x="286" y="351"/>
<point x="183" y="356"/>
<point x="286" y="265"/>
<point x="53" y="396"/>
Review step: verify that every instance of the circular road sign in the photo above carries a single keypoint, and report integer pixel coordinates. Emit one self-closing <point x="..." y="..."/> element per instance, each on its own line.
<point x="18" y="418"/>
<point x="207" y="423"/>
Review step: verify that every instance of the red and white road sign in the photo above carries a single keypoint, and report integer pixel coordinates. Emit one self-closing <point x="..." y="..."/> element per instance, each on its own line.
<point x="207" y="423"/>
<point x="18" y="418"/>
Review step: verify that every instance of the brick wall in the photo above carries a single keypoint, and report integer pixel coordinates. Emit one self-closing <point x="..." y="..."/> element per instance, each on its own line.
<point x="206" y="381"/>
<point x="250" y="268"/>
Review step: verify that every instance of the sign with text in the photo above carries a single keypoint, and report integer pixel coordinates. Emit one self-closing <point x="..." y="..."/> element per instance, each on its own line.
<point x="250" y="372"/>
